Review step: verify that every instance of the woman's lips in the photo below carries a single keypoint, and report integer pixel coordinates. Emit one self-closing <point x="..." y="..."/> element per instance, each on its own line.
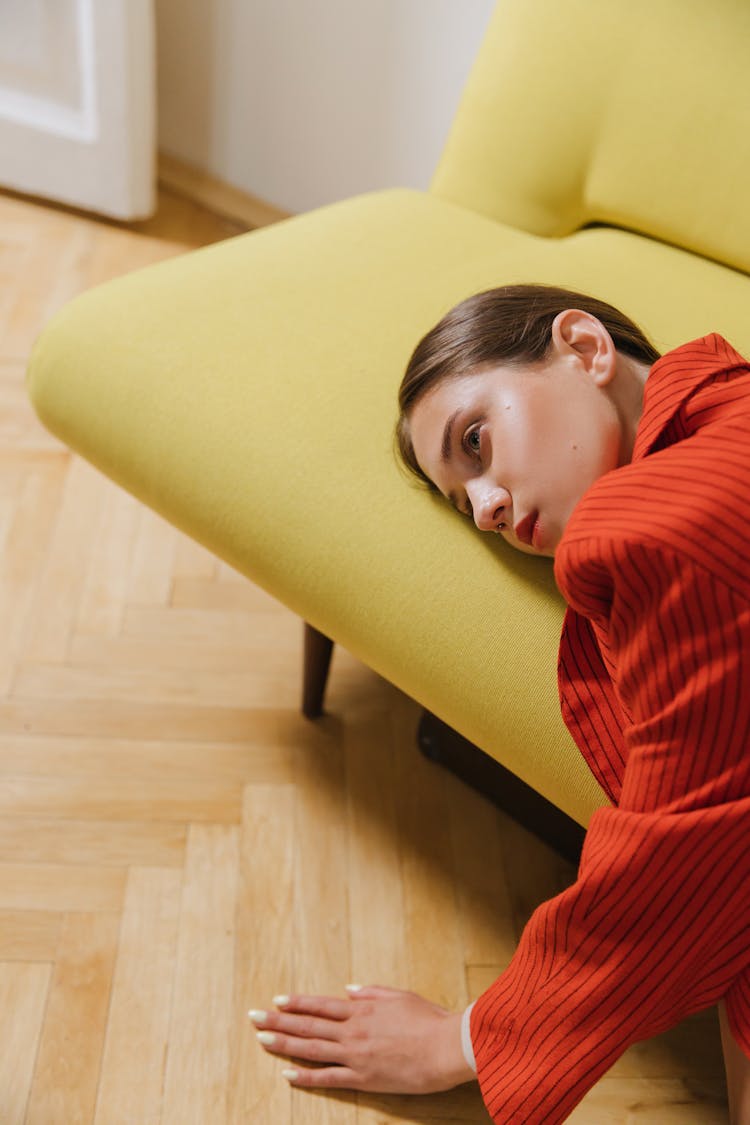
<point x="527" y="527"/>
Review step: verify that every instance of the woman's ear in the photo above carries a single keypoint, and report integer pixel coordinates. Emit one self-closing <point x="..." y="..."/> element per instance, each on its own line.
<point x="581" y="336"/>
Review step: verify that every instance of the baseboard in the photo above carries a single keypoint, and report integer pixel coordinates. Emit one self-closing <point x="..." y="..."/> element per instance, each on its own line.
<point x="215" y="195"/>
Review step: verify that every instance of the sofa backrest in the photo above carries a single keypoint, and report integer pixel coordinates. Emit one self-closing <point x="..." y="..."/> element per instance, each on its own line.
<point x="630" y="113"/>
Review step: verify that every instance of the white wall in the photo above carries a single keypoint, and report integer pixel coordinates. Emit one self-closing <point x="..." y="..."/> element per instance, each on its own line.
<point x="303" y="102"/>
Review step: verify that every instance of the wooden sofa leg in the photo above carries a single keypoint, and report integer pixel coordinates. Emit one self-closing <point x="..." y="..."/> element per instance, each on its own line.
<point x="317" y="658"/>
<point x="442" y="744"/>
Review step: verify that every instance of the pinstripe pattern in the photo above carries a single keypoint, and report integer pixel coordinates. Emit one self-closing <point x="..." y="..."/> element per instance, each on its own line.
<point x="654" y="675"/>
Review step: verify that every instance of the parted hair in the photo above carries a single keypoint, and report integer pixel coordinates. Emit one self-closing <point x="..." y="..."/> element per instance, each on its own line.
<point x="510" y="323"/>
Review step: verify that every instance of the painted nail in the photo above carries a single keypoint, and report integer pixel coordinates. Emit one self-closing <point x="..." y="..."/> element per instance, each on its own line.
<point x="292" y="1075"/>
<point x="354" y="988"/>
<point x="265" y="1037"/>
<point x="257" y="1016"/>
<point x="280" y="1001"/>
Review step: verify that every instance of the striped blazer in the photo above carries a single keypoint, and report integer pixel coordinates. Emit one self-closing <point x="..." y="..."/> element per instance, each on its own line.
<point x="654" y="676"/>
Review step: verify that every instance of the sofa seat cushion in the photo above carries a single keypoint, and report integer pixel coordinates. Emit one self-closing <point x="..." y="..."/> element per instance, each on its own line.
<point x="247" y="392"/>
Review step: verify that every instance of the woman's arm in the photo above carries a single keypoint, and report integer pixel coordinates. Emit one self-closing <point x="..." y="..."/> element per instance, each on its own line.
<point x="657" y="924"/>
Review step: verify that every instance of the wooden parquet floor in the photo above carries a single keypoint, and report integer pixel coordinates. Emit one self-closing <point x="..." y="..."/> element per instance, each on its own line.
<point x="178" y="845"/>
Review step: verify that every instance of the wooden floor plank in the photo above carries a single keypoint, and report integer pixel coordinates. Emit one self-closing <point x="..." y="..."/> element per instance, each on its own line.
<point x="102" y="604"/>
<point x="652" y="1101"/>
<point x="263" y="950"/>
<point x="376" y="903"/>
<point x="427" y="872"/>
<point x="234" y="628"/>
<point x="104" y="798"/>
<point x="61" y="588"/>
<point x="137" y="1035"/>
<point x="29" y="935"/>
<point x="23" y="995"/>
<point x="211" y="594"/>
<point x="322" y="950"/>
<point x="253" y="687"/>
<point x="114" y="719"/>
<point x="197" y="1068"/>
<point x="81" y="842"/>
<point x="67" y="1069"/>
<point x="22" y="560"/>
<point x="52" y="249"/>
<point x="192" y="561"/>
<point x="152" y="563"/>
<point x="485" y="909"/>
<point x="533" y="872"/>
<point x="49" y="886"/>
<point x="145" y="760"/>
<point x="210" y="655"/>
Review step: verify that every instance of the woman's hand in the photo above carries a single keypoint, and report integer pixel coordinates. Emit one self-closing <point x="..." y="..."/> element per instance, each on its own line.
<point x="380" y="1040"/>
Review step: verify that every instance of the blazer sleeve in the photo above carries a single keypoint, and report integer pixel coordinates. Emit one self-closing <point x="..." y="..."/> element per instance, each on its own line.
<point x="657" y="924"/>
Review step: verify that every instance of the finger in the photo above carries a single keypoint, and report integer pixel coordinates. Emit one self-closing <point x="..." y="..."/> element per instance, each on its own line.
<point x="373" y="992"/>
<point x="304" y="1027"/>
<point x="328" y="1077"/>
<point x="311" y="1050"/>
<point x="329" y="1007"/>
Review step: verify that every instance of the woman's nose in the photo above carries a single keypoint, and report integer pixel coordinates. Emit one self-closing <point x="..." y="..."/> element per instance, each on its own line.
<point x="491" y="507"/>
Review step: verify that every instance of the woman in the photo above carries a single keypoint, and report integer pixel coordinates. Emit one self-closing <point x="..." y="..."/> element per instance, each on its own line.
<point x="548" y="418"/>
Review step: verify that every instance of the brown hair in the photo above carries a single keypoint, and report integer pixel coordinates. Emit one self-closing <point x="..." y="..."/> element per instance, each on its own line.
<point x="513" y="322"/>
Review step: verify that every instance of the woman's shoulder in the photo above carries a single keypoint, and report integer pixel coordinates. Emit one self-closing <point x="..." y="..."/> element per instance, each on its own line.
<point x="670" y="504"/>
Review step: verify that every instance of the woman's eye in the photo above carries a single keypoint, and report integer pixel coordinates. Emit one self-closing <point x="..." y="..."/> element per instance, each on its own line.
<point x="473" y="441"/>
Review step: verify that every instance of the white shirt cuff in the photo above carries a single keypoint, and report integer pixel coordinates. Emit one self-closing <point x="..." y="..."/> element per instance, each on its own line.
<point x="466" y="1039"/>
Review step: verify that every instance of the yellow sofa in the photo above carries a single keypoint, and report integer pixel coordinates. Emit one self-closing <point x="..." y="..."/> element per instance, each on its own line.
<point x="247" y="391"/>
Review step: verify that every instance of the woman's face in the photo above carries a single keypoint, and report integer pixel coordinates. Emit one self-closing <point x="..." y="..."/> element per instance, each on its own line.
<point x="516" y="447"/>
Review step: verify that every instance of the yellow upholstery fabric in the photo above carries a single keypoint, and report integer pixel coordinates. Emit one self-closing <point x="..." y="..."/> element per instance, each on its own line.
<point x="633" y="114"/>
<point x="247" y="391"/>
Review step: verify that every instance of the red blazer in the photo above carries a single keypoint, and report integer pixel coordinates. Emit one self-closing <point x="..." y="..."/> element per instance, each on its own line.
<point x="654" y="676"/>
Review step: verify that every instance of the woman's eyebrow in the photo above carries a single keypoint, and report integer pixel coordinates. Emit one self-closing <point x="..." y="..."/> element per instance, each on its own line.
<point x="445" y="450"/>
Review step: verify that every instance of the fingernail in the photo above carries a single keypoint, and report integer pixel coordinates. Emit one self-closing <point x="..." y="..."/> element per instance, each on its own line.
<point x="354" y="988"/>
<point x="280" y="1001"/>
<point x="257" y="1016"/>
<point x="292" y="1075"/>
<point x="265" y="1037"/>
